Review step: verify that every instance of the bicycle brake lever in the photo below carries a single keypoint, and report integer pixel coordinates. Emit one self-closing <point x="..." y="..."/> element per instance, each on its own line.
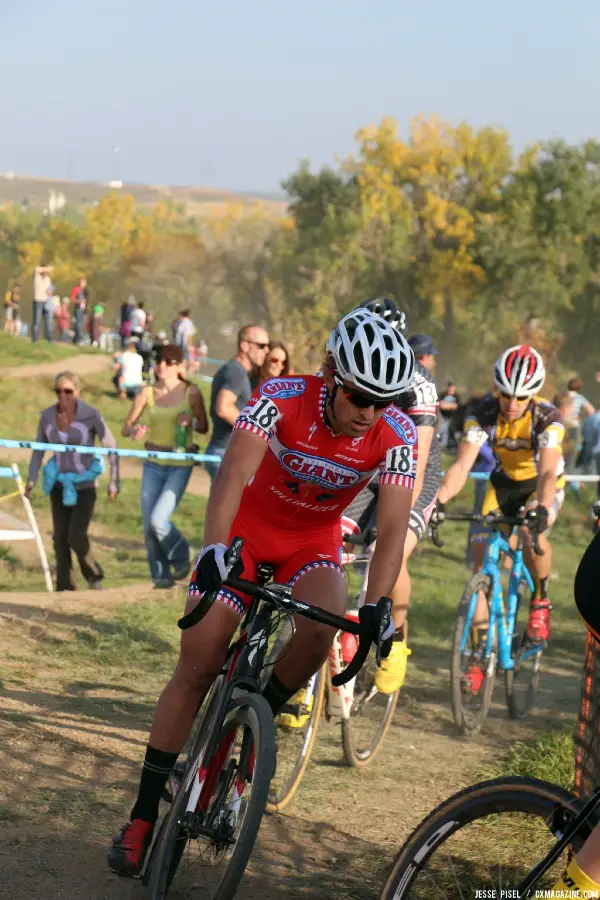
<point x="435" y="536"/>
<point x="233" y="561"/>
<point x="384" y="607"/>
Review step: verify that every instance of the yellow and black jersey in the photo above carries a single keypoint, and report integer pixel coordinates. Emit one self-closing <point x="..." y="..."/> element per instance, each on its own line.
<point x="516" y="445"/>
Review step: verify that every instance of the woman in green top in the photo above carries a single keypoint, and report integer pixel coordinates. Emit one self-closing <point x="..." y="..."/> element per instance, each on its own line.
<point x="95" y="323"/>
<point x="173" y="408"/>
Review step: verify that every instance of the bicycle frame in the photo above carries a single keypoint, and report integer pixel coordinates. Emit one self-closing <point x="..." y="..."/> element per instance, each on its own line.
<point x="501" y="618"/>
<point x="565" y="834"/>
<point x="244" y="663"/>
<point x="242" y="669"/>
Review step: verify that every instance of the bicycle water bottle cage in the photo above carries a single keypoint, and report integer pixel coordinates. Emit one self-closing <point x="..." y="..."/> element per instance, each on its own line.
<point x="264" y="573"/>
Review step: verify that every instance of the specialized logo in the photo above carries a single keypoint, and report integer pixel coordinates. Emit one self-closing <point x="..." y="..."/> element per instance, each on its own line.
<point x="402" y="425"/>
<point x="317" y="470"/>
<point x="283" y="387"/>
<point x="312" y="430"/>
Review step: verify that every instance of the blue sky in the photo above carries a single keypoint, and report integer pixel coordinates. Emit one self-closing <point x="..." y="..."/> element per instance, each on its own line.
<point x="234" y="93"/>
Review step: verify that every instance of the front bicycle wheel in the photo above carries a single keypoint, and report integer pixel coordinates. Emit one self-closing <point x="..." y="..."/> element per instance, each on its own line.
<point x="521" y="682"/>
<point x="472" y="672"/>
<point x="486" y="838"/>
<point x="363" y="733"/>
<point x="207" y="843"/>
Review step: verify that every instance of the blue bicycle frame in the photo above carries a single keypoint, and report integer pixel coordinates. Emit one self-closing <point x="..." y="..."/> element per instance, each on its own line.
<point x="501" y="618"/>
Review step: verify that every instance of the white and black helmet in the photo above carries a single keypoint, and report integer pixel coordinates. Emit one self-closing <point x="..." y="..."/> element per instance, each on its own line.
<point x="520" y="372"/>
<point x="388" y="310"/>
<point x="372" y="355"/>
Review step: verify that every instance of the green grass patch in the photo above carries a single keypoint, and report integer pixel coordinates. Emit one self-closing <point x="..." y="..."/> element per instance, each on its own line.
<point x="18" y="351"/>
<point x="550" y="757"/>
<point x="136" y="637"/>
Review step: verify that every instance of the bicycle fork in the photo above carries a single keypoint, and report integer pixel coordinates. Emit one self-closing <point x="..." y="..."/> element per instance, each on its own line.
<point x="204" y="779"/>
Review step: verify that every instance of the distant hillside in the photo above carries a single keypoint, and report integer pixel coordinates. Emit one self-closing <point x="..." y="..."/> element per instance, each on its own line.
<point x="197" y="201"/>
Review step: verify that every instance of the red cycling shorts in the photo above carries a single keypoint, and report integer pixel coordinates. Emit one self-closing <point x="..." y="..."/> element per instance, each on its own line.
<point x="292" y="554"/>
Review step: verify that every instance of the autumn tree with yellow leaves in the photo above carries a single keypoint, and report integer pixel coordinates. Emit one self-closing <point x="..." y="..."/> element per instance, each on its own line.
<point x="472" y="242"/>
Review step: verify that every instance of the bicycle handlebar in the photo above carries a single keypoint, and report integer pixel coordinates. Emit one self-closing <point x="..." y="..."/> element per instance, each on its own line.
<point x="491" y="519"/>
<point x="280" y="595"/>
<point x="364" y="539"/>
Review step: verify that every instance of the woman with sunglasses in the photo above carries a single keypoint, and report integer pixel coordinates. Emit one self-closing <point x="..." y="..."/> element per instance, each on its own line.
<point x="71" y="478"/>
<point x="276" y="365"/>
<point x="526" y="435"/>
<point x="174" y="408"/>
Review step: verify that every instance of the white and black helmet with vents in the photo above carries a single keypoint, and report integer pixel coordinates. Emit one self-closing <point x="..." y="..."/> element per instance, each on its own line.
<point x="520" y="372"/>
<point x="388" y="310"/>
<point x="372" y="355"/>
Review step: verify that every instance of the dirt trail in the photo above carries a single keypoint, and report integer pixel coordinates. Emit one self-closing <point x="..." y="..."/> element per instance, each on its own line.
<point x="72" y="740"/>
<point x="85" y="364"/>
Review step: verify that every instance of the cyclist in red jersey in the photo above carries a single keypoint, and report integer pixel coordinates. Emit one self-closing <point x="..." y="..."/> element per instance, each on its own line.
<point x="301" y="450"/>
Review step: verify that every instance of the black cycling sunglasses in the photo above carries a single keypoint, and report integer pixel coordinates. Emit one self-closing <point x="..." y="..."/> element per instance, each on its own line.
<point x="360" y="400"/>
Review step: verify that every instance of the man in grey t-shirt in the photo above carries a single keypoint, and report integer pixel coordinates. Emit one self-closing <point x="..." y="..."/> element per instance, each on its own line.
<point x="231" y="389"/>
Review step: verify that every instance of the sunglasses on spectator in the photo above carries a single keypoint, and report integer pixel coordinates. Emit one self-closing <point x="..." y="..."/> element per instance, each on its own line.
<point x="261" y="346"/>
<point x="277" y="359"/>
<point x="169" y="362"/>
<point x="360" y="400"/>
<point x="513" y="397"/>
<point x="67" y="391"/>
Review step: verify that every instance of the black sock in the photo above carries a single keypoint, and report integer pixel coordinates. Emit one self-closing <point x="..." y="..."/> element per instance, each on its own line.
<point x="541" y="589"/>
<point x="398" y="635"/>
<point x="277" y="694"/>
<point x="158" y="765"/>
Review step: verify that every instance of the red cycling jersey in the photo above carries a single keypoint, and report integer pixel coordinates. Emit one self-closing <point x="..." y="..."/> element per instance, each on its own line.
<point x="290" y="512"/>
<point x="309" y="474"/>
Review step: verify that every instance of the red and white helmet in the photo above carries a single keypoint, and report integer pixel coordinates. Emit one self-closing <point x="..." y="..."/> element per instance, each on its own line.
<point x="520" y="372"/>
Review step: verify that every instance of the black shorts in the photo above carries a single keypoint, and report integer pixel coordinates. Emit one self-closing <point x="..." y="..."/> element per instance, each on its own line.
<point x="510" y="497"/>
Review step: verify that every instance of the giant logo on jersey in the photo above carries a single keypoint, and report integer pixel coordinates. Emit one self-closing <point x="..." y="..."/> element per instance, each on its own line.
<point x="402" y="425"/>
<point x="283" y="387"/>
<point x="320" y="471"/>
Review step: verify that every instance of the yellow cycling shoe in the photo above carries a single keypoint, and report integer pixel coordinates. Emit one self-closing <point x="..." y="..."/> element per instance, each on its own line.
<point x="296" y="713"/>
<point x="390" y="677"/>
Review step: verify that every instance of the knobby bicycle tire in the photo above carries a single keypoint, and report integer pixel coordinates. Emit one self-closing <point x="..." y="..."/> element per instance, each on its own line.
<point x="521" y="795"/>
<point x="519" y="706"/>
<point x="249" y="711"/>
<point x="196" y="742"/>
<point x="466" y="723"/>
<point x="278" y="800"/>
